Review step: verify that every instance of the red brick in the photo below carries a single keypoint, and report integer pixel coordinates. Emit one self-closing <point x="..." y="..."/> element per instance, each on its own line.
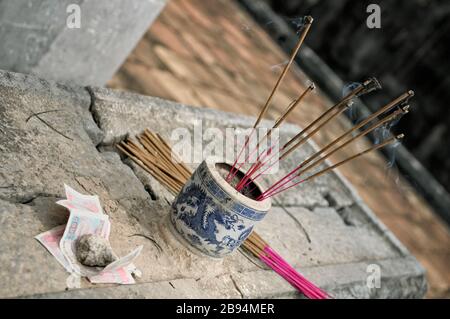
<point x="200" y="50"/>
<point x="143" y="81"/>
<point x="176" y="88"/>
<point x="194" y="13"/>
<point x="167" y="36"/>
<point x="234" y="32"/>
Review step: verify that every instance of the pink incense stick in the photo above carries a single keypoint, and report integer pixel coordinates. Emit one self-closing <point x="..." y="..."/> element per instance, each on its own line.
<point x="314" y="290"/>
<point x="261" y="162"/>
<point x="279" y="271"/>
<point x="278" y="190"/>
<point x="297" y="276"/>
<point x="233" y="171"/>
<point x="252" y="169"/>
<point x="293" y="271"/>
<point x="269" y="167"/>
<point x="246" y="177"/>
<point x="282" y="180"/>
<point x="295" y="281"/>
<point x="246" y="180"/>
<point x="246" y="160"/>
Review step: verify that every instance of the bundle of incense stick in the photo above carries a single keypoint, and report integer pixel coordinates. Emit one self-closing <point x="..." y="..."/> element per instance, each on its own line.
<point x="266" y="158"/>
<point x="271" y="258"/>
<point x="155" y="156"/>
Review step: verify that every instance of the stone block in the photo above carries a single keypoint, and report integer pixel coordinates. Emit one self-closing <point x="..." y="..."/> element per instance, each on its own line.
<point x="36" y="38"/>
<point x="332" y="241"/>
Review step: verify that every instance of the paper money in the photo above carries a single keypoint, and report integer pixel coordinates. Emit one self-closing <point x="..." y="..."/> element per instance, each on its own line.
<point x="76" y="200"/>
<point x="81" y="223"/>
<point x="50" y="240"/>
<point x="119" y="276"/>
<point x="73" y="281"/>
<point x="124" y="261"/>
<point x="86" y="217"/>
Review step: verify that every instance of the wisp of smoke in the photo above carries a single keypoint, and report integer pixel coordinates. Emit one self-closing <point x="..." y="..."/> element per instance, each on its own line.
<point x="246" y="27"/>
<point x="279" y="66"/>
<point x="297" y="22"/>
<point x="351" y="112"/>
<point x="384" y="132"/>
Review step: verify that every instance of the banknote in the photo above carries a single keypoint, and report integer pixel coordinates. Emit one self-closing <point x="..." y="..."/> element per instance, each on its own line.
<point x="124" y="261"/>
<point x="50" y="240"/>
<point x="75" y="200"/>
<point x="81" y="223"/>
<point x="118" y="276"/>
<point x="86" y="217"/>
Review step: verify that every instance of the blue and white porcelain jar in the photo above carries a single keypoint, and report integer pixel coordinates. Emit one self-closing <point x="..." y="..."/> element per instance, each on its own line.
<point x="211" y="215"/>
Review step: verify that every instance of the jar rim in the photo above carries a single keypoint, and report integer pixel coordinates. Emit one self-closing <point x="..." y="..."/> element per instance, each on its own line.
<point x="263" y="206"/>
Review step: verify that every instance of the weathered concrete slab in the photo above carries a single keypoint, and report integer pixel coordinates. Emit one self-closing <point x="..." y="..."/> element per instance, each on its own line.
<point x="22" y="259"/>
<point x="325" y="231"/>
<point x="36" y="159"/>
<point x="36" y="39"/>
<point x="347" y="280"/>
<point x="320" y="237"/>
<point x="177" y="289"/>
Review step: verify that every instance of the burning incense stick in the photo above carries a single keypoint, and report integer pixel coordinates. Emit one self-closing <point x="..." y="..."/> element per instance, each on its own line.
<point x="368" y="130"/>
<point x="366" y="87"/>
<point x="277" y="190"/>
<point x="278" y="122"/>
<point x="373" y="148"/>
<point x="362" y="134"/>
<point x="400" y="101"/>
<point x="304" y="32"/>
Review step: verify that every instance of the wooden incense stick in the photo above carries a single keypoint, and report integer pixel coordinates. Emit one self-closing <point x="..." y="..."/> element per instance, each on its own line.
<point x="304" y="32"/>
<point x="400" y="100"/>
<point x="291" y="107"/>
<point x="321" y="172"/>
<point x="313" y="132"/>
<point x="157" y="162"/>
<point x="365" y="132"/>
<point x="278" y="122"/>
<point x="374" y="148"/>
<point x="154" y="172"/>
<point x="142" y="159"/>
<point x="149" y="140"/>
<point x="367" y="86"/>
<point x="370" y="118"/>
<point x="351" y="140"/>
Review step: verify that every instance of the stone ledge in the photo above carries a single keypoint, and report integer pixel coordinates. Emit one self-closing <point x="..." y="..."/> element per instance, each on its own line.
<point x="341" y="281"/>
<point x="36" y="161"/>
<point x="176" y="289"/>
